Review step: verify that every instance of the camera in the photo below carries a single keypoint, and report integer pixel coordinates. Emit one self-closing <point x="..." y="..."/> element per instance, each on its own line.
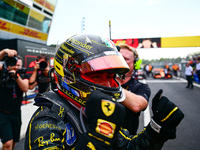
<point x="43" y="65"/>
<point x="10" y="61"/>
<point x="21" y="71"/>
<point x="10" y="80"/>
<point x="7" y="79"/>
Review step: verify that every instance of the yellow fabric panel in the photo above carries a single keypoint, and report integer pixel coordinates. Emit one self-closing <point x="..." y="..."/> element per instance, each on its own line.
<point x="36" y="15"/>
<point x="185" y="41"/>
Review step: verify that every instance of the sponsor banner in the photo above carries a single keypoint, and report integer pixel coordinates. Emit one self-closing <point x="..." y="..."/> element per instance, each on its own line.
<point x="162" y="42"/>
<point x="49" y="4"/>
<point x="17" y="29"/>
<point x="140" y="42"/>
<point x="18" y="6"/>
<point x="130" y="42"/>
<point x="185" y="41"/>
<point x="36" y="15"/>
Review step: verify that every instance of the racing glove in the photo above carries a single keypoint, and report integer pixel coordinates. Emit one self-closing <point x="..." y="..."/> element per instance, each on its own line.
<point x="166" y="117"/>
<point x="105" y="117"/>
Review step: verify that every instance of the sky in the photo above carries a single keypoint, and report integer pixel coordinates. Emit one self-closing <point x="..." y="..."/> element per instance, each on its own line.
<point x="129" y="19"/>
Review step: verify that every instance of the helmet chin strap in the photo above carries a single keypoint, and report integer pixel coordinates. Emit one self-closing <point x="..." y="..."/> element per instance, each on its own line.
<point x="122" y="98"/>
<point x="81" y="119"/>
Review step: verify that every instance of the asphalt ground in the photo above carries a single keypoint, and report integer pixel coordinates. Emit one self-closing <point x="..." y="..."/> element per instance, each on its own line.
<point x="188" y="100"/>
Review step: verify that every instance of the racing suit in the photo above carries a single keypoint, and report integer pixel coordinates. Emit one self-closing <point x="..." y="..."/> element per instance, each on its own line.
<point x="57" y="125"/>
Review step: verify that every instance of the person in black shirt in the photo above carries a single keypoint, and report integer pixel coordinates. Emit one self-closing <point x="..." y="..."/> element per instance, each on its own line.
<point x="12" y="86"/>
<point x="40" y="74"/>
<point x="137" y="93"/>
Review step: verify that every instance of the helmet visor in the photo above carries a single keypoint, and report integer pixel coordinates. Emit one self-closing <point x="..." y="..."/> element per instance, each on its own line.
<point x="101" y="78"/>
<point x="110" y="63"/>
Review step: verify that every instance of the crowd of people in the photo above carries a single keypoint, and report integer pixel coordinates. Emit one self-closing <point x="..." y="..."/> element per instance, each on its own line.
<point x="194" y="63"/>
<point x="192" y="70"/>
<point x="174" y="69"/>
<point x="93" y="101"/>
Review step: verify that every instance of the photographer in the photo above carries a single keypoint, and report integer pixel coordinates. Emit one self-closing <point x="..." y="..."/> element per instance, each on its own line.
<point x="40" y="74"/>
<point x="12" y="86"/>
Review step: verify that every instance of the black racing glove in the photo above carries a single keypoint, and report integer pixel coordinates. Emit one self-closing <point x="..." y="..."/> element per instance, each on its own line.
<point x="166" y="117"/>
<point x="122" y="139"/>
<point x="105" y="117"/>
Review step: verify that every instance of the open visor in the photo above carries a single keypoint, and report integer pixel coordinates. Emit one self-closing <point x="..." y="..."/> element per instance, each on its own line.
<point x="111" y="63"/>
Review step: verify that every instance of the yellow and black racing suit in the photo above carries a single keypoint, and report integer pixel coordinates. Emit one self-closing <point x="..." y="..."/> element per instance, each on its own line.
<point x="57" y="125"/>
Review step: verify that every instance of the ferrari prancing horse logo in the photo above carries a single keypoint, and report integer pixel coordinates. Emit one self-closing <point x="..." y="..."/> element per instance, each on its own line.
<point x="107" y="107"/>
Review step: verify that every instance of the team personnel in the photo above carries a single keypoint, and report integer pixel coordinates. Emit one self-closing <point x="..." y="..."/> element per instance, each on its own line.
<point x="166" y="70"/>
<point x="147" y="70"/>
<point x="137" y="60"/>
<point x="175" y="69"/>
<point x="150" y="69"/>
<point x="12" y="86"/>
<point x="189" y="74"/>
<point x="137" y="93"/>
<point x="40" y="74"/>
<point x="82" y="113"/>
<point x="197" y="69"/>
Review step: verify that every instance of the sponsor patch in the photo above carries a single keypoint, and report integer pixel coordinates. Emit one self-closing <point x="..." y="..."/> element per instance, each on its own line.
<point x="110" y="53"/>
<point x="107" y="107"/>
<point x="70" y="134"/>
<point x="65" y="85"/>
<point x="105" y="128"/>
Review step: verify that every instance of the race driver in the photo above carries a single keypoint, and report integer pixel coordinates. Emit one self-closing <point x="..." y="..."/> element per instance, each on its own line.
<point x="82" y="111"/>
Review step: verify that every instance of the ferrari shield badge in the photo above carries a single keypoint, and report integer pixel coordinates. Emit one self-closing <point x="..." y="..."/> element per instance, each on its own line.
<point x="107" y="107"/>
